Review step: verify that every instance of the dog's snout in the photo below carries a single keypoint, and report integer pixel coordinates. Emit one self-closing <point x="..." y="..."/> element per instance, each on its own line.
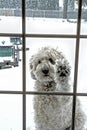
<point x="45" y="71"/>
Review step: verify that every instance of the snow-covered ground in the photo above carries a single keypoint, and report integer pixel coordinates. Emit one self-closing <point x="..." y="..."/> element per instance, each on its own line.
<point x="11" y="79"/>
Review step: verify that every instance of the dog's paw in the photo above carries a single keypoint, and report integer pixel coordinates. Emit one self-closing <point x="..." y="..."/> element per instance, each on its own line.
<point x="62" y="70"/>
<point x="69" y="128"/>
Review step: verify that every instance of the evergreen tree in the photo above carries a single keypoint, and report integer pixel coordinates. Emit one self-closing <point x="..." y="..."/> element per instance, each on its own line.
<point x="65" y="8"/>
<point x="17" y="3"/>
<point x="10" y="3"/>
<point x="52" y="5"/>
<point x="43" y="4"/>
<point x="71" y="4"/>
<point x="32" y="4"/>
<point x="84" y="2"/>
<point x="1" y="1"/>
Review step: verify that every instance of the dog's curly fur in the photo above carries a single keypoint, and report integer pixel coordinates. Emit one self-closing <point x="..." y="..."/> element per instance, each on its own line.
<point x="51" y="71"/>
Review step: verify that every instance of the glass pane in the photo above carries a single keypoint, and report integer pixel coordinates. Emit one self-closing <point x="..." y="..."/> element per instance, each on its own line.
<point x="10" y="63"/>
<point x="81" y="112"/>
<point x="84" y="17"/>
<point x="82" y="70"/>
<point x="51" y="16"/>
<point x="10" y="112"/>
<point x="66" y="46"/>
<point x="30" y="124"/>
<point x="10" y="16"/>
<point x="48" y="112"/>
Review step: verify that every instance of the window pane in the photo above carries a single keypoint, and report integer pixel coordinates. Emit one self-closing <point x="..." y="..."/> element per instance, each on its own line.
<point x="49" y="112"/>
<point x="51" y="16"/>
<point x="10" y="16"/>
<point x="10" y="63"/>
<point x="82" y="70"/>
<point x="66" y="46"/>
<point x="30" y="124"/>
<point x="84" y="18"/>
<point x="81" y="111"/>
<point x="10" y="112"/>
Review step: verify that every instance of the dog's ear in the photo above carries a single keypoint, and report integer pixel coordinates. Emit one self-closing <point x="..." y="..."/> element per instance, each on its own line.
<point x="31" y="71"/>
<point x="32" y="68"/>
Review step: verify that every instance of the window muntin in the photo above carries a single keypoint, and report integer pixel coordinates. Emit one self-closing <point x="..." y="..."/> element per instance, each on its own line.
<point x="32" y="35"/>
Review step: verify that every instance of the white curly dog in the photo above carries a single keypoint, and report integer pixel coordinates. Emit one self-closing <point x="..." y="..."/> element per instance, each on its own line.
<point x="51" y="71"/>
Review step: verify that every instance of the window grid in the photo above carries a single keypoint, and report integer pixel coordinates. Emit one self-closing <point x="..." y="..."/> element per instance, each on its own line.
<point x="24" y="66"/>
<point x="24" y="36"/>
<point x="76" y="64"/>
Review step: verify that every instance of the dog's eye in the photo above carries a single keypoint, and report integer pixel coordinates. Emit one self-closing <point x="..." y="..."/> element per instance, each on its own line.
<point x="51" y="61"/>
<point x="39" y="62"/>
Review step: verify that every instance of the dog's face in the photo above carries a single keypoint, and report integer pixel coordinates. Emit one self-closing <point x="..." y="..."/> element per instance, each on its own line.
<point x="42" y="64"/>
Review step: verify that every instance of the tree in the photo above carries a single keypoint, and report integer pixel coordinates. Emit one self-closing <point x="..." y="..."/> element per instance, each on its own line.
<point x="10" y="3"/>
<point x="52" y="5"/>
<point x="71" y="5"/>
<point x="68" y="5"/>
<point x="34" y="4"/>
<point x="1" y="2"/>
<point x="65" y="8"/>
<point x="43" y="4"/>
<point x="84" y="2"/>
<point x="18" y="3"/>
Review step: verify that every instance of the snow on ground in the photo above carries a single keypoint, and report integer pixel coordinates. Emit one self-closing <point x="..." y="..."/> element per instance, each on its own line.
<point x="11" y="79"/>
<point x="46" y="26"/>
<point x="10" y="24"/>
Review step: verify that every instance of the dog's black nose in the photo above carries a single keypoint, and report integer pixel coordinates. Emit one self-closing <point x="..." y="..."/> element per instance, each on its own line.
<point x="45" y="71"/>
<point x="63" y="74"/>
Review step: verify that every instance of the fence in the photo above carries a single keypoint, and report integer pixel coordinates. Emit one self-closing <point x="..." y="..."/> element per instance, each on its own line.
<point x="7" y="12"/>
<point x="43" y="13"/>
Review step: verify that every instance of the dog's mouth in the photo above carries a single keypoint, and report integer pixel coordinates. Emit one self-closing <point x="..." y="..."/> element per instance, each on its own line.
<point x="47" y="78"/>
<point x="49" y="86"/>
<point x="46" y="75"/>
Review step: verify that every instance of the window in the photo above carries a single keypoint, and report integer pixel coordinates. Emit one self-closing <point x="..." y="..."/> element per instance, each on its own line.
<point x="25" y="26"/>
